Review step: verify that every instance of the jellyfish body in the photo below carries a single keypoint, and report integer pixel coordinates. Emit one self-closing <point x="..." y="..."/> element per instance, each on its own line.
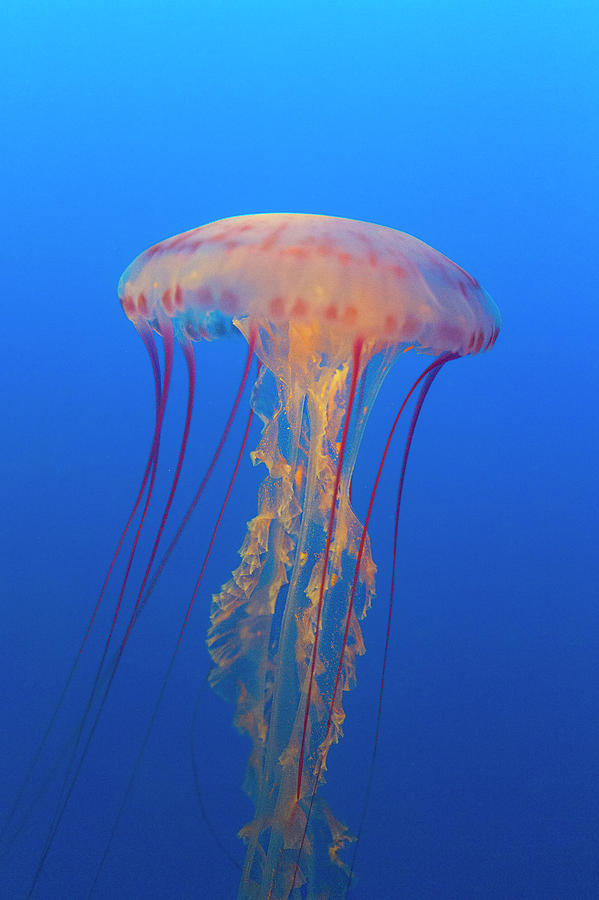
<point x="326" y="304"/>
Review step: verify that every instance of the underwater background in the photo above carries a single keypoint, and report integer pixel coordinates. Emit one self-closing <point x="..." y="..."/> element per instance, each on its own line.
<point x="470" y="125"/>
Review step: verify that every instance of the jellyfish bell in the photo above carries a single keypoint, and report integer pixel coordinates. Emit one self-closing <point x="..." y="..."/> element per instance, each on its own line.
<point x="326" y="304"/>
<point x="342" y="277"/>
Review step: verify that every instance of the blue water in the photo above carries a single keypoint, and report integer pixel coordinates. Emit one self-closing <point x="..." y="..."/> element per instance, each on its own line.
<point x="472" y="126"/>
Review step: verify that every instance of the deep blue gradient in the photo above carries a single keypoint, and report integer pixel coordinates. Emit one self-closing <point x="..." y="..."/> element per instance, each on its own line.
<point x="472" y="126"/>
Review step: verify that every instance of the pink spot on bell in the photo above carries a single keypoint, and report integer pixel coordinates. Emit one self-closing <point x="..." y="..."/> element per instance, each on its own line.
<point x="154" y="251"/>
<point x="390" y="324"/>
<point x="179" y="297"/>
<point x="167" y="302"/>
<point x="142" y="304"/>
<point x="218" y="236"/>
<point x="350" y="316"/>
<point x="297" y="252"/>
<point x="175" y="242"/>
<point x="277" y="307"/>
<point x="299" y="308"/>
<point x="398" y="270"/>
<point x="344" y="258"/>
<point x="271" y="239"/>
<point x="330" y="312"/>
<point x="128" y="305"/>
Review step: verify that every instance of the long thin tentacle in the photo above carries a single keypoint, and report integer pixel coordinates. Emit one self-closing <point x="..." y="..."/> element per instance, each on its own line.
<point x="71" y="779"/>
<point x="172" y="660"/>
<point x="415" y="414"/>
<point x="205" y="479"/>
<point x="148" y="340"/>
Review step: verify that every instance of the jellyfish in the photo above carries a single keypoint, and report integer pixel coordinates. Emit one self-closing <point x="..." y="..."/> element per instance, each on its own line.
<point x="327" y="305"/>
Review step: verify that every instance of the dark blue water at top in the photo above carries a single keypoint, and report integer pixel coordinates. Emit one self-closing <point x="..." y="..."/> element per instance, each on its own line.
<point x="472" y="127"/>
